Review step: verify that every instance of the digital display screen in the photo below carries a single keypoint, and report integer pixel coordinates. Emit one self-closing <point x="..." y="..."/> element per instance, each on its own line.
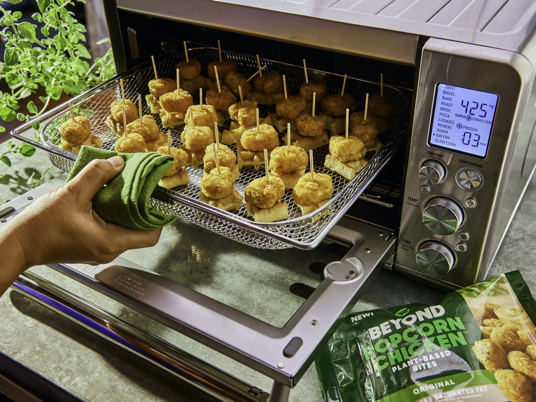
<point x="462" y="120"/>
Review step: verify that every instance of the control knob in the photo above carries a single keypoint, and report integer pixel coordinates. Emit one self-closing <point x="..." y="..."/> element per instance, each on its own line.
<point x="432" y="172"/>
<point x="434" y="258"/>
<point x="442" y="215"/>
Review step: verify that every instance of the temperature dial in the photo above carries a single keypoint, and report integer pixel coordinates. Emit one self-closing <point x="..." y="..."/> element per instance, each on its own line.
<point x="442" y="216"/>
<point x="432" y="172"/>
<point x="434" y="258"/>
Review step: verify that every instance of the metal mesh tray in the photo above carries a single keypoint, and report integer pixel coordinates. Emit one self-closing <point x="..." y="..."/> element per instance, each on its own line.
<point x="299" y="231"/>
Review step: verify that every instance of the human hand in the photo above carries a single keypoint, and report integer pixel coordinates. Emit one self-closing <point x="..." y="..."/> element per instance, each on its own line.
<point x="61" y="226"/>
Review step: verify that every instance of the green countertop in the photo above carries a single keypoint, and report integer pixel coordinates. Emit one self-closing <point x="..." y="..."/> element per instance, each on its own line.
<point x="255" y="280"/>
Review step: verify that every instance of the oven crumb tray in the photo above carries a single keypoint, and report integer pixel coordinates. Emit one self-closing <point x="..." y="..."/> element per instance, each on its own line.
<point x="304" y="232"/>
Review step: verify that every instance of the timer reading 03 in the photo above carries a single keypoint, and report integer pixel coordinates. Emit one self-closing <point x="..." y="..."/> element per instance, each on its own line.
<point x="462" y="119"/>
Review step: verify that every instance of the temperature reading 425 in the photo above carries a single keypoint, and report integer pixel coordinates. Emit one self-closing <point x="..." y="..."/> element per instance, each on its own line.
<point x="462" y="120"/>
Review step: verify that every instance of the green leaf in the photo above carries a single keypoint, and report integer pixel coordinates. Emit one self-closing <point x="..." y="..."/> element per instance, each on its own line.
<point x="27" y="30"/>
<point x="17" y="15"/>
<point x="21" y="116"/>
<point x="102" y="41"/>
<point x="7" y="114"/>
<point x="31" y="107"/>
<point x="44" y="31"/>
<point x="2" y="129"/>
<point x="83" y="51"/>
<point x="43" y="4"/>
<point x="55" y="93"/>
<point x="43" y="99"/>
<point x="36" y="126"/>
<point x="60" y="42"/>
<point x="37" y="17"/>
<point x="14" y="1"/>
<point x="11" y="57"/>
<point x="6" y="160"/>
<point x="23" y="45"/>
<point x="27" y="150"/>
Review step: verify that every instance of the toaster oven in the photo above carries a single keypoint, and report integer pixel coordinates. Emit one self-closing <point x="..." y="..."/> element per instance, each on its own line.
<point x="436" y="207"/>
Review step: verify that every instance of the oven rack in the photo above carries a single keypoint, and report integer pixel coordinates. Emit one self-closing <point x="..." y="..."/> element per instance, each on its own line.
<point x="303" y="232"/>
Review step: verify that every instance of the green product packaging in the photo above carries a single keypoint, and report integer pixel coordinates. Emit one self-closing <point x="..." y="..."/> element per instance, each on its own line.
<point x="477" y="344"/>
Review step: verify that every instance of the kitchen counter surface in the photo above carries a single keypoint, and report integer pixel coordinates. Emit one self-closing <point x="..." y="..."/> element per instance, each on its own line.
<point x="91" y="368"/>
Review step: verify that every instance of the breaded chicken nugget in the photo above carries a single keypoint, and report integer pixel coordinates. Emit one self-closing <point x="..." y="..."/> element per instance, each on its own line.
<point x="291" y="107"/>
<point x="310" y="126"/>
<point x="307" y="90"/>
<point x="217" y="185"/>
<point x="381" y="106"/>
<point x="146" y="127"/>
<point x="161" y="86"/>
<point x="529" y="337"/>
<point x="309" y="192"/>
<point x="486" y="331"/>
<point x="270" y="82"/>
<point x="176" y="101"/>
<point x="130" y="143"/>
<point x="226" y="157"/>
<point x="196" y="139"/>
<point x="492" y="322"/>
<point x="263" y="193"/>
<point x="258" y="140"/>
<point x="244" y="114"/>
<point x="180" y="156"/>
<point x="189" y="69"/>
<point x="515" y="386"/>
<point x="131" y="111"/>
<point x="220" y="100"/>
<point x="346" y="149"/>
<point x="223" y="67"/>
<point x="288" y="159"/>
<point x="234" y="79"/>
<point x="531" y="352"/>
<point x="75" y="131"/>
<point x="507" y="337"/>
<point x="365" y="129"/>
<point x="519" y="361"/>
<point x="201" y="115"/>
<point x="335" y="105"/>
<point x="491" y="355"/>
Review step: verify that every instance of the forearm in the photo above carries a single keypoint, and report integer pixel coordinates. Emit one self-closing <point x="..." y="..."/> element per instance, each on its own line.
<point x="13" y="260"/>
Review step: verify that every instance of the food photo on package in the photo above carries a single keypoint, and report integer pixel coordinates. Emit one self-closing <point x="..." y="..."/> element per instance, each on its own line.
<point x="477" y="343"/>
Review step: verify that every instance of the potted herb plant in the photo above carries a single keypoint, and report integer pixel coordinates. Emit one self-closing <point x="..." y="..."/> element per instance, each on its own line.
<point x="50" y="57"/>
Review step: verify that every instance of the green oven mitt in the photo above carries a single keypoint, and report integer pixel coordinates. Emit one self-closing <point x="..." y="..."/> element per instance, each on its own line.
<point x="123" y="200"/>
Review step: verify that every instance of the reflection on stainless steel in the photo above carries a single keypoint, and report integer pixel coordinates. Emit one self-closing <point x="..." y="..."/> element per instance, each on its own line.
<point x="156" y="351"/>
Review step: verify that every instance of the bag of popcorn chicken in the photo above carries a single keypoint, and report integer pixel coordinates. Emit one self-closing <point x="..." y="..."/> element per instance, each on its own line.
<point x="477" y="343"/>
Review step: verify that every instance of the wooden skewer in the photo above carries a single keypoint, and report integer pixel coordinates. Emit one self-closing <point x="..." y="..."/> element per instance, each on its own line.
<point x="347" y="122"/>
<point x="122" y="90"/>
<point x="257" y="115"/>
<point x="266" y="166"/>
<point x="314" y="103"/>
<point x="178" y="81"/>
<point x="305" y="70"/>
<point x="124" y="122"/>
<point x="154" y="68"/>
<point x="216" y="134"/>
<point x="285" y="85"/>
<point x="366" y="108"/>
<point x="200" y="96"/>
<point x="169" y="141"/>
<point x="381" y="85"/>
<point x="343" y="85"/>
<point x="186" y="52"/>
<point x="311" y="164"/>
<point x="241" y="96"/>
<point x="288" y="135"/>
<point x="217" y="78"/>
<point x="259" y="64"/>
<point x="72" y="113"/>
<point x="216" y="157"/>
<point x="219" y="50"/>
<point x="257" y="72"/>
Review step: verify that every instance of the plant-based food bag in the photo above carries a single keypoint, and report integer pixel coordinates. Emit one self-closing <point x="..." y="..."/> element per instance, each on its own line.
<point x="476" y="344"/>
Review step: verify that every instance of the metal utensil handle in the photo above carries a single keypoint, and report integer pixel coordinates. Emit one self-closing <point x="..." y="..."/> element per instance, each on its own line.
<point x="152" y="349"/>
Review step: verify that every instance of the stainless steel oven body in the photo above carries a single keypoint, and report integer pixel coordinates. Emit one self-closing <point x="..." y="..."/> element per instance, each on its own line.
<point x="457" y="204"/>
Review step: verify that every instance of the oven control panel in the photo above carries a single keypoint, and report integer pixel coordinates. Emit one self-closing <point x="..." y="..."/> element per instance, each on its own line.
<point x="458" y="159"/>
